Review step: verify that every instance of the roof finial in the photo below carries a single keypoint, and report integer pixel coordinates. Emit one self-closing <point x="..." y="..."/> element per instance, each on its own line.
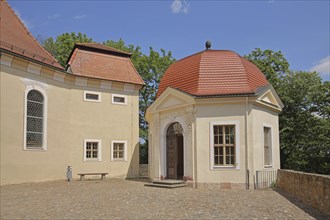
<point x="208" y="45"/>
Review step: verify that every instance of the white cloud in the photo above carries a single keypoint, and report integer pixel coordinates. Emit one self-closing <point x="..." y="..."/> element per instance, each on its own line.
<point x="322" y="67"/>
<point x="77" y="17"/>
<point x="27" y="24"/>
<point x="54" y="16"/>
<point x="179" y="6"/>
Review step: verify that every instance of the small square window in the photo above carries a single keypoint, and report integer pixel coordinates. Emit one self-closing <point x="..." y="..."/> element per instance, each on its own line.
<point x="119" y="151"/>
<point x="92" y="96"/>
<point x="92" y="150"/>
<point x="119" y="99"/>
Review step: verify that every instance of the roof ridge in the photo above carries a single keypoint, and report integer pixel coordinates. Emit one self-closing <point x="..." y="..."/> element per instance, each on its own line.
<point x="103" y="45"/>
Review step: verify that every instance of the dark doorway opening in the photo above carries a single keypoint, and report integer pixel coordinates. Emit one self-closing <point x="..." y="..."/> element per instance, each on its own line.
<point x="174" y="151"/>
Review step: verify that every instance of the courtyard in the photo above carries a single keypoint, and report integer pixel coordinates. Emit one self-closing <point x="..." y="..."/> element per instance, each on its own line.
<point x="129" y="199"/>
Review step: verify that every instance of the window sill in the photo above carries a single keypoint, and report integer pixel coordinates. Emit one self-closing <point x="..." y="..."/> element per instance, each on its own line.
<point x="35" y="149"/>
<point x="118" y="160"/>
<point x="268" y="166"/>
<point x="92" y="160"/>
<point x="225" y="168"/>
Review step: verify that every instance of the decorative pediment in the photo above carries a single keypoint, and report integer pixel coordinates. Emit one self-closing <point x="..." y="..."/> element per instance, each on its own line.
<point x="267" y="96"/>
<point x="170" y="99"/>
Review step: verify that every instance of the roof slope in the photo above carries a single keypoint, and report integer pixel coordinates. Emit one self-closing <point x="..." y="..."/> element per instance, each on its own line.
<point x="213" y="72"/>
<point x="16" y="38"/>
<point x="102" y="62"/>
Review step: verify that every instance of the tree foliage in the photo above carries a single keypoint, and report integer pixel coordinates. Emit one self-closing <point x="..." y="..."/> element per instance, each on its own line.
<point x="304" y="121"/>
<point x="63" y="45"/>
<point x="151" y="68"/>
<point x="272" y="64"/>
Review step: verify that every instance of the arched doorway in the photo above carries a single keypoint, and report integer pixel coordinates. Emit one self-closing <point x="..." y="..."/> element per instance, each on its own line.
<point x="174" y="151"/>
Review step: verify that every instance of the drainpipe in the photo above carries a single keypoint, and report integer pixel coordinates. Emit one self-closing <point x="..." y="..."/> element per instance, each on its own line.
<point x="246" y="143"/>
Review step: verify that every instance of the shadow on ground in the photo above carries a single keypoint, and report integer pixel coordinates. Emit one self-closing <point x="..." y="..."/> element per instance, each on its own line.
<point x="306" y="208"/>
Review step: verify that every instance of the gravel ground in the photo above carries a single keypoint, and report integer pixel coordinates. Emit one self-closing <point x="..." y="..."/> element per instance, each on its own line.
<point x="123" y="199"/>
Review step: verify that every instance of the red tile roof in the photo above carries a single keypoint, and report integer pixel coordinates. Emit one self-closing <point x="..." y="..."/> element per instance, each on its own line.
<point x="103" y="63"/>
<point x="213" y="72"/>
<point x="16" y="38"/>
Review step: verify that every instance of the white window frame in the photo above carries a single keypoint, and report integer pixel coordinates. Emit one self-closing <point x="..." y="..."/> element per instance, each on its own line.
<point x="125" y="150"/>
<point x="119" y="103"/>
<point x="42" y="88"/>
<point x="93" y="93"/>
<point x="237" y="145"/>
<point x="271" y="142"/>
<point x="99" y="154"/>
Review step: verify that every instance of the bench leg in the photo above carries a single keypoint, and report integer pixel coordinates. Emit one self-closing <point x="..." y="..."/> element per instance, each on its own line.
<point x="102" y="176"/>
<point x="82" y="177"/>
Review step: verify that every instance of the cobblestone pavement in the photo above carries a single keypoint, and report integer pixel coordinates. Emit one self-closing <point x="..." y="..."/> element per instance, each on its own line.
<point x="117" y="199"/>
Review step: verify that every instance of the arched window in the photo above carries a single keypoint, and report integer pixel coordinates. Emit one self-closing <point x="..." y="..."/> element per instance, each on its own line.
<point x="34" y="120"/>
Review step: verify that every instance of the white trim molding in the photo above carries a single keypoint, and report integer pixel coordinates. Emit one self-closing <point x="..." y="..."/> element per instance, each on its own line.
<point x="99" y="150"/>
<point x="119" y="96"/>
<point x="99" y="99"/>
<point x="42" y="88"/>
<point x="271" y="165"/>
<point x="237" y="145"/>
<point x="125" y="150"/>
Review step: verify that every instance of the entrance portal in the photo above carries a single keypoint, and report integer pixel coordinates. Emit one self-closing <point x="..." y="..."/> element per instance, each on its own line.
<point x="174" y="151"/>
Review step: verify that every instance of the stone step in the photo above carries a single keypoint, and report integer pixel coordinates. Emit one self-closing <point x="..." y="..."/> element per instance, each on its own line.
<point x="169" y="186"/>
<point x="168" y="182"/>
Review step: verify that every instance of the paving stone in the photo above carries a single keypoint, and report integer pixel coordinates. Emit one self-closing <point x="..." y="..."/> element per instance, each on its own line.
<point x="125" y="199"/>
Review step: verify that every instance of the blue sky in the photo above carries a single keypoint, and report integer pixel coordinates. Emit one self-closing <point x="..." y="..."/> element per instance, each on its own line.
<point x="300" y="29"/>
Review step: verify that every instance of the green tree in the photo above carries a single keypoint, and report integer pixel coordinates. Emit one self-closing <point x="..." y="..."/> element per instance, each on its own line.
<point x="272" y="64"/>
<point x="63" y="45"/>
<point x="304" y="121"/>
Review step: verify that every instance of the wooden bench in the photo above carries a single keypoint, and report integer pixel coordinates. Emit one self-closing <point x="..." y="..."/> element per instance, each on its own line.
<point x="82" y="175"/>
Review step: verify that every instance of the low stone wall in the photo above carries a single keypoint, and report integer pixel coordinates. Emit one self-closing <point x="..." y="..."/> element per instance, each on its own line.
<point x="312" y="189"/>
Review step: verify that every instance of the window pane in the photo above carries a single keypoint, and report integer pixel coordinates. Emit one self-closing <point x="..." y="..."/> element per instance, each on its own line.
<point x="35" y="95"/>
<point x="215" y="129"/>
<point x="92" y="96"/>
<point x="216" y="160"/>
<point x="119" y="99"/>
<point x="221" y="160"/>
<point x="216" y="139"/>
<point x="216" y="151"/>
<point x="34" y="109"/>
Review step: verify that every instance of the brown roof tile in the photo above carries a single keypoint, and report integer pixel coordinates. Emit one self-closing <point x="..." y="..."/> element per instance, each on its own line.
<point x="16" y="38"/>
<point x="213" y="72"/>
<point x="85" y="61"/>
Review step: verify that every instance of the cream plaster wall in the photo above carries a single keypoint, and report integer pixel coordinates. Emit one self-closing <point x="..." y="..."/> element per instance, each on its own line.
<point x="70" y="120"/>
<point x="207" y="114"/>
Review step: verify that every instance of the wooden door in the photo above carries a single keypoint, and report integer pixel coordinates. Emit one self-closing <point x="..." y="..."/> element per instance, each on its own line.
<point x="171" y="157"/>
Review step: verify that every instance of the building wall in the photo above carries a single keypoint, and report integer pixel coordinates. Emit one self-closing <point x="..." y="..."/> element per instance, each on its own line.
<point x="261" y="117"/>
<point x="227" y="114"/>
<point x="70" y="120"/>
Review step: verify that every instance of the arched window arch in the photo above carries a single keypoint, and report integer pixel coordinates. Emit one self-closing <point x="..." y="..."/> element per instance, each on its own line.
<point x="34" y="119"/>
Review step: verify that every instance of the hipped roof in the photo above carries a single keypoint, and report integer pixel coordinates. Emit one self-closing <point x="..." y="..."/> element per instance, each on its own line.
<point x="17" y="39"/>
<point x="213" y="72"/>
